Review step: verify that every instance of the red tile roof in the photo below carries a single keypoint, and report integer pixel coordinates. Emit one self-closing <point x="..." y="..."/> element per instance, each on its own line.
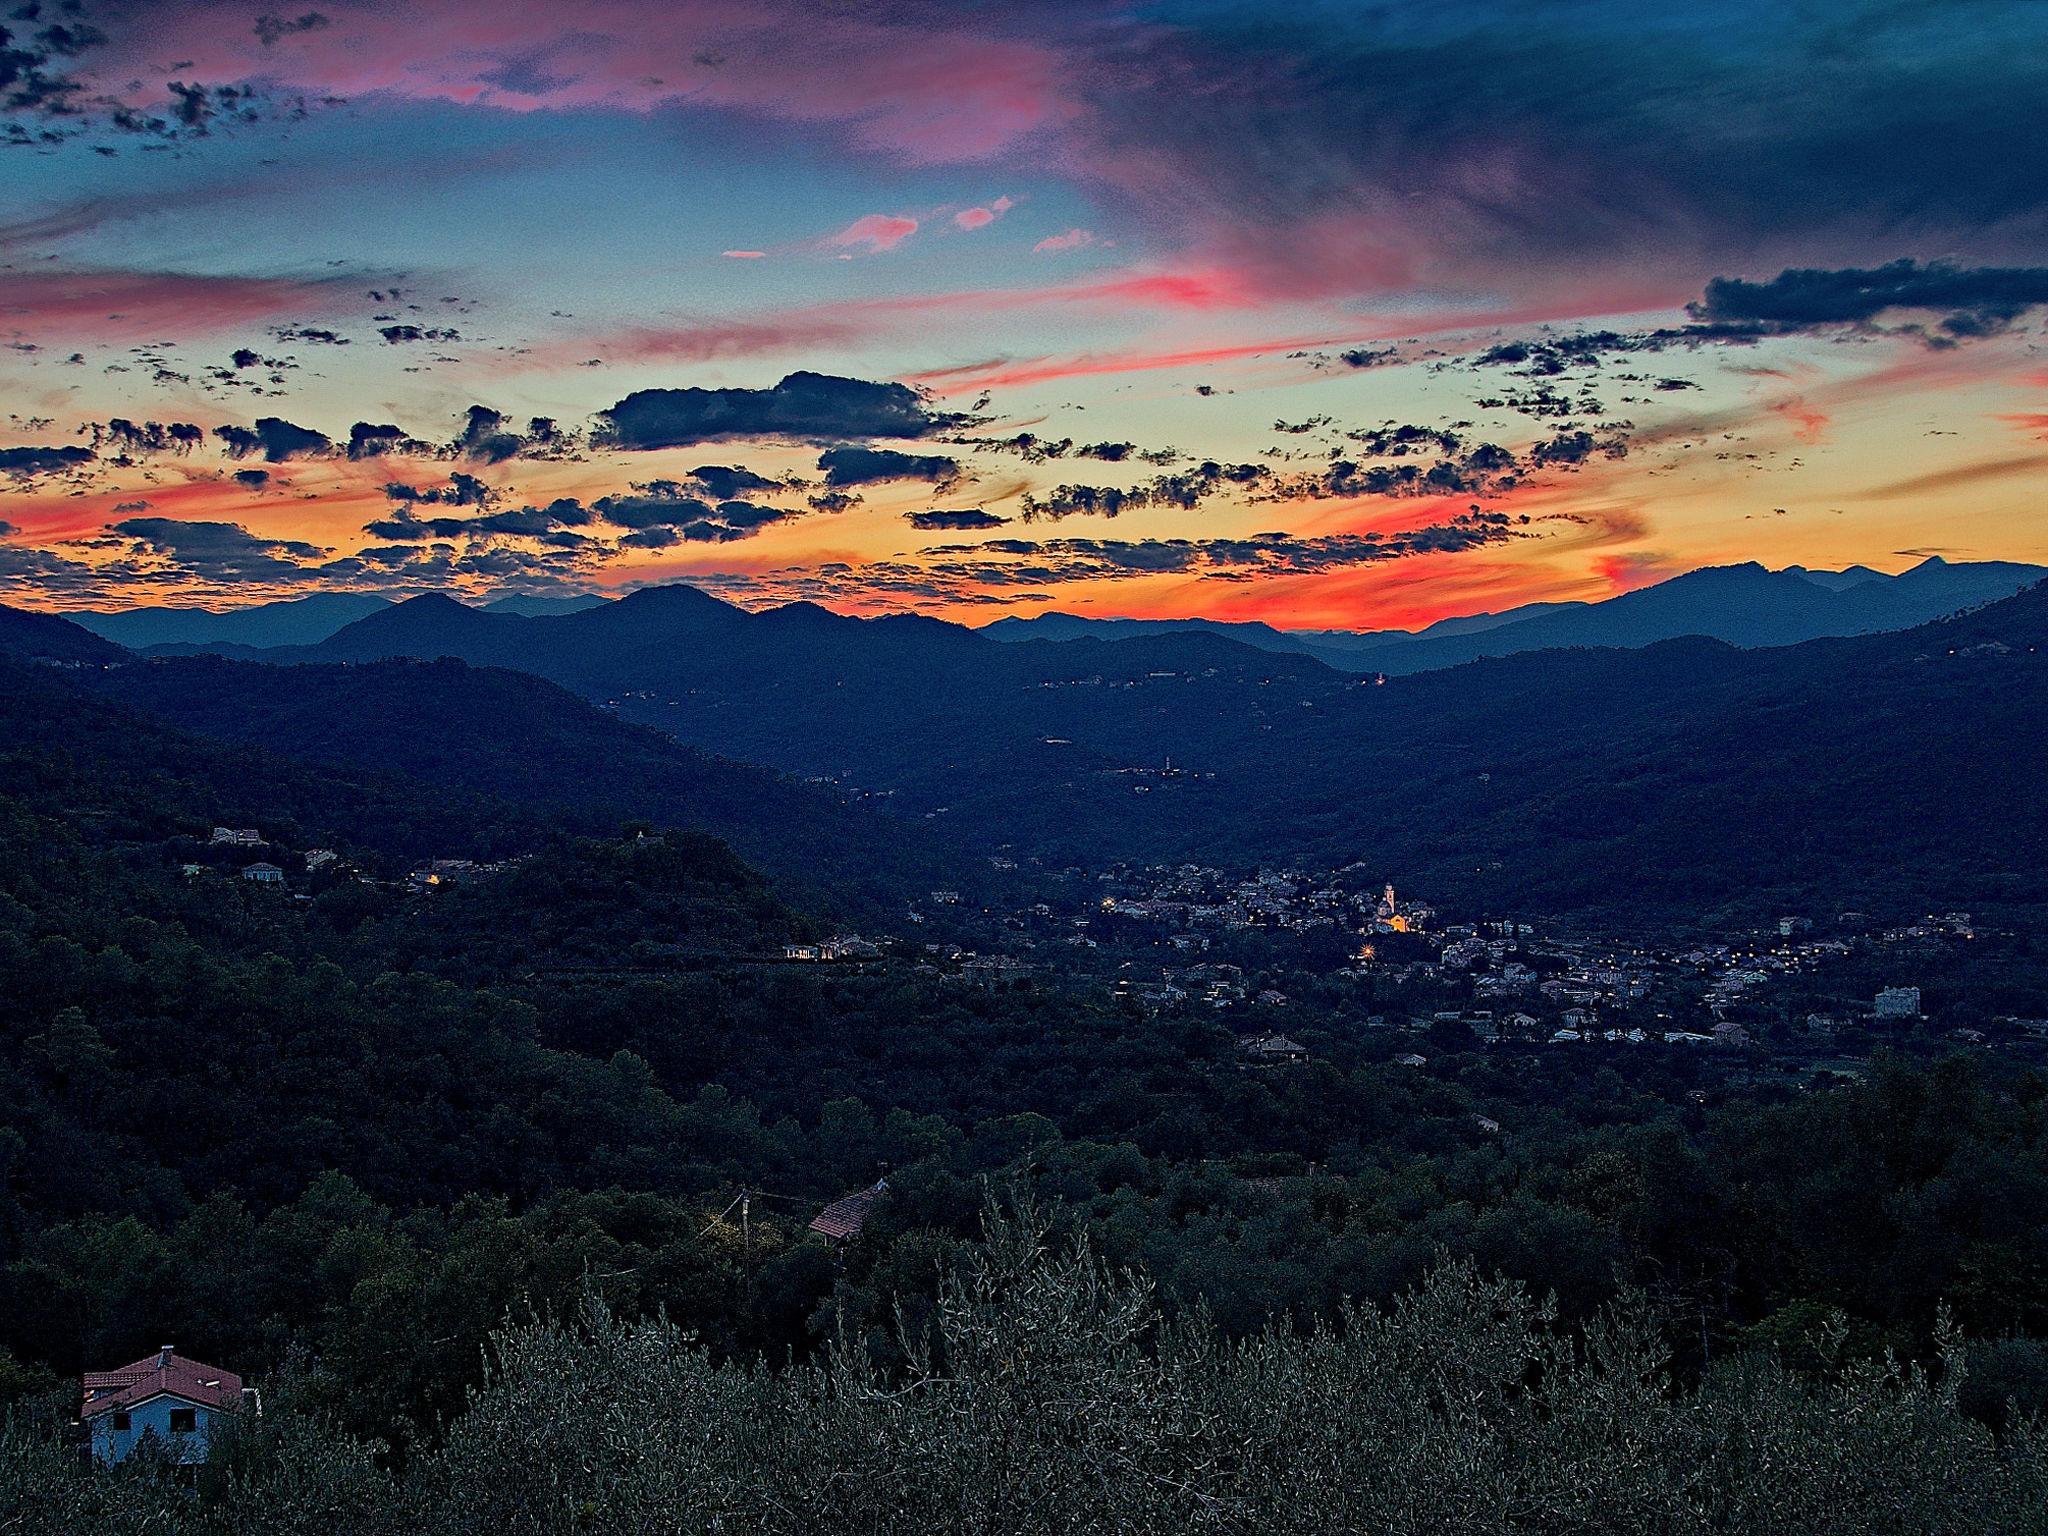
<point x="207" y="1385"/>
<point x="842" y="1219"/>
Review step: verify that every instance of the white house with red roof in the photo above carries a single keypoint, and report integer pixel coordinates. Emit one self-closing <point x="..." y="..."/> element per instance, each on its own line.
<point x="165" y="1395"/>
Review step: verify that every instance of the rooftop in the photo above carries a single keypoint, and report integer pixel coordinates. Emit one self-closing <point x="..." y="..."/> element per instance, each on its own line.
<point x="163" y="1372"/>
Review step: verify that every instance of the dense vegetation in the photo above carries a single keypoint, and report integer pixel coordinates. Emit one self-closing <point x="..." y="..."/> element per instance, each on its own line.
<point x="1047" y="1396"/>
<point x="337" y="1140"/>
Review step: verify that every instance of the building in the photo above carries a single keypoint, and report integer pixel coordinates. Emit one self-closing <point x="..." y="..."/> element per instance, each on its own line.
<point x="1272" y="1051"/>
<point x="238" y="837"/>
<point x="264" y="874"/>
<point x="163" y="1398"/>
<point x="318" y="859"/>
<point x="1897" y="1003"/>
<point x="842" y="1220"/>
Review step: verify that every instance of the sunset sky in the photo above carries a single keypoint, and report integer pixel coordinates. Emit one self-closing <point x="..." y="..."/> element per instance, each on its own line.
<point x="1336" y="315"/>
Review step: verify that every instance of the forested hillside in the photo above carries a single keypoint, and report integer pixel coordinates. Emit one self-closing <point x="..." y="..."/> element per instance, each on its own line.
<point x="520" y="739"/>
<point x="356" y="1130"/>
<point x="1685" y="777"/>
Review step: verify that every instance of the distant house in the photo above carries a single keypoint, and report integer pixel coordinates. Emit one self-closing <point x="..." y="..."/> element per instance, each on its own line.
<point x="1272" y="1051"/>
<point x="264" y="874"/>
<point x="238" y="837"/>
<point x="321" y="858"/>
<point x="164" y="1398"/>
<point x="1412" y="1059"/>
<point x="1897" y="1003"/>
<point x="842" y="1220"/>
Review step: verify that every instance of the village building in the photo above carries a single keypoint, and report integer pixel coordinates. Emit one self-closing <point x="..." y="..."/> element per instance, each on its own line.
<point x="164" y="1399"/>
<point x="1272" y="1051"/>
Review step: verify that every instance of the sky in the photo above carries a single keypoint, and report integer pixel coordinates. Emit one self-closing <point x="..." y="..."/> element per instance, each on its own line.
<point x="1331" y="315"/>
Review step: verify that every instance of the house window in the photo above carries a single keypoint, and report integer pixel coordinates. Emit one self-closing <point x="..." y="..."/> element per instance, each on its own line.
<point x="120" y="1423"/>
<point x="184" y="1421"/>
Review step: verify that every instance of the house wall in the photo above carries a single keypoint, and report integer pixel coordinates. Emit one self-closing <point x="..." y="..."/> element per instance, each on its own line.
<point x="152" y="1417"/>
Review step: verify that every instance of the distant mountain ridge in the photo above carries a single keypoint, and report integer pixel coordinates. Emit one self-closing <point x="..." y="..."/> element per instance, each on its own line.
<point x="1747" y="605"/>
<point x="291" y="621"/>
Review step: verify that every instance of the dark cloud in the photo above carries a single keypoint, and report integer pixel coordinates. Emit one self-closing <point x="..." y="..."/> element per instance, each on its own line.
<point x="313" y="334"/>
<point x="1033" y="449"/>
<point x="369" y="440"/>
<point x="553" y="523"/>
<point x="724" y="482"/>
<point x="269" y="28"/>
<point x="35" y="78"/>
<point x="871" y="466"/>
<point x="487" y="437"/>
<point x="395" y="334"/>
<point x="254" y="479"/>
<point x="1270" y="554"/>
<point x="803" y="405"/>
<point x="1184" y="489"/>
<point x="462" y="490"/>
<point x="275" y="439"/>
<point x="219" y="552"/>
<point x="124" y="437"/>
<point x="967" y="518"/>
<point x="1971" y="301"/>
<point x="24" y="463"/>
<point x="666" y="507"/>
<point x="1355" y="147"/>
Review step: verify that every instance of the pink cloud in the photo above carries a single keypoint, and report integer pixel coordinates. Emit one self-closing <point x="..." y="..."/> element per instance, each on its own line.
<point x="858" y="320"/>
<point x="925" y="93"/>
<point x="1066" y="240"/>
<point x="743" y="255"/>
<point x="876" y="231"/>
<point x="116" y="305"/>
<point x="981" y="217"/>
<point x="1809" y="424"/>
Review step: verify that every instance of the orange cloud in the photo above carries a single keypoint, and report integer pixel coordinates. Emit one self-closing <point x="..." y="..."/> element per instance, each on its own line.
<point x="1809" y="424"/>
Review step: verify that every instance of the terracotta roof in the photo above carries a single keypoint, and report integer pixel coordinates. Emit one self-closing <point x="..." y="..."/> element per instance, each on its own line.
<point x="843" y="1219"/>
<point x="207" y="1385"/>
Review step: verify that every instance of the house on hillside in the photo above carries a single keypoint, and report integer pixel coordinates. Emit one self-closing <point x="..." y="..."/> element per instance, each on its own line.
<point x="165" y="1399"/>
<point x="238" y="837"/>
<point x="264" y="874"/>
<point x="842" y="1220"/>
<point x="1272" y="1051"/>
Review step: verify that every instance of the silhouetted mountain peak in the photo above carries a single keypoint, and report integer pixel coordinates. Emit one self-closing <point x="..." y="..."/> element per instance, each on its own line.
<point x="47" y="637"/>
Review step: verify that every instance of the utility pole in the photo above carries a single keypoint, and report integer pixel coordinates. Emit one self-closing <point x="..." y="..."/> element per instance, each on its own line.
<point x="746" y="1225"/>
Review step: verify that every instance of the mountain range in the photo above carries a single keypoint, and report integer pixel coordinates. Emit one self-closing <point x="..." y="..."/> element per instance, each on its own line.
<point x="1887" y="769"/>
<point x="292" y="621"/>
<point x="1745" y="605"/>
